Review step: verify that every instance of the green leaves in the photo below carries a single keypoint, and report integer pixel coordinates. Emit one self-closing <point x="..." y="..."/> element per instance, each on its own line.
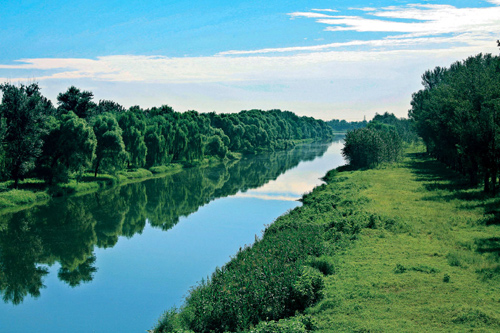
<point x="110" y="151"/>
<point x="23" y="112"/>
<point x="458" y="116"/>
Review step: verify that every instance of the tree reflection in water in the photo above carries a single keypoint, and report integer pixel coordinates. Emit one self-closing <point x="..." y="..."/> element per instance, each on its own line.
<point x="67" y="229"/>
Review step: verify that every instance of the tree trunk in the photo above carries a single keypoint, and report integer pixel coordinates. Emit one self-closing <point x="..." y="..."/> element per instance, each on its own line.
<point x="487" y="181"/>
<point x="96" y="168"/>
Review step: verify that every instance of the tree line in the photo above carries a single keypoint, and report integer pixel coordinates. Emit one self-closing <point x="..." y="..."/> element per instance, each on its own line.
<point x="342" y="126"/>
<point x="457" y="114"/>
<point x="78" y="135"/>
<point x="381" y="141"/>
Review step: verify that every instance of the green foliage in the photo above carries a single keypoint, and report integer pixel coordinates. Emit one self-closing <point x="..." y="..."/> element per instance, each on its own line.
<point x="14" y="198"/>
<point x="60" y="145"/>
<point x="343" y="126"/>
<point x="299" y="324"/>
<point x="457" y="116"/>
<point x="397" y="275"/>
<point x="272" y="282"/>
<point x="80" y="102"/>
<point x="23" y="112"/>
<point x="110" y="152"/>
<point x="322" y="264"/>
<point x="368" y="147"/>
<point x="68" y="148"/>
<point x="133" y="125"/>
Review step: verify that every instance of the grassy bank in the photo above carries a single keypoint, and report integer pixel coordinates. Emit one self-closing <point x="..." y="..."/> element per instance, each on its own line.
<point x="34" y="191"/>
<point x="430" y="262"/>
<point x="403" y="248"/>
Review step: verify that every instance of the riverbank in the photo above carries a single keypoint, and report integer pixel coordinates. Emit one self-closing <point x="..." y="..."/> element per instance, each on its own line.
<point x="36" y="192"/>
<point x="32" y="191"/>
<point x="407" y="247"/>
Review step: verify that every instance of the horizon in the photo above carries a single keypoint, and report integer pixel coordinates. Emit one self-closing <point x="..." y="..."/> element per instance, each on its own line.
<point x="347" y="61"/>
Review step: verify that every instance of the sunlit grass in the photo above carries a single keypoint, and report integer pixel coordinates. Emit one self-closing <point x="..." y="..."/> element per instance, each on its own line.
<point x="440" y="272"/>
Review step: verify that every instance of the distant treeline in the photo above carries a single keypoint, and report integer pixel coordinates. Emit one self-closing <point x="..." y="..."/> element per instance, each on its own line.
<point x="381" y="141"/>
<point x="79" y="135"/>
<point x="342" y="126"/>
<point x="457" y="114"/>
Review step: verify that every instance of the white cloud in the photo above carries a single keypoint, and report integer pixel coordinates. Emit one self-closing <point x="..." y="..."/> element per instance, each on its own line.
<point x="428" y="26"/>
<point x="426" y="20"/>
<point x="325" y="10"/>
<point x="364" y="9"/>
<point x="309" y="15"/>
<point x="331" y="80"/>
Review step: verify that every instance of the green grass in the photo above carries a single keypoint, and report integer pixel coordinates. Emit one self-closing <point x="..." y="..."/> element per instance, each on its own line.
<point x="437" y="271"/>
<point x="31" y="191"/>
<point x="165" y="168"/>
<point x="14" y="198"/>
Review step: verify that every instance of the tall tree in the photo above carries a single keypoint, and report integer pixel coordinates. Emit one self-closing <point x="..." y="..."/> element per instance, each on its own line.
<point x="23" y="112"/>
<point x="133" y="126"/>
<point x="69" y="147"/>
<point x="110" y="151"/>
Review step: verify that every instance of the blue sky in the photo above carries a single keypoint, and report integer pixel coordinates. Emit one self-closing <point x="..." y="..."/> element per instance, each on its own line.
<point x="327" y="59"/>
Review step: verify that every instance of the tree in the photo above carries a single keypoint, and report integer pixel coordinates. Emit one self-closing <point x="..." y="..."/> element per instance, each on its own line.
<point x="456" y="114"/>
<point x="68" y="147"/>
<point x="133" y="126"/>
<point x="23" y="112"/>
<point x="80" y="102"/>
<point x="110" y="151"/>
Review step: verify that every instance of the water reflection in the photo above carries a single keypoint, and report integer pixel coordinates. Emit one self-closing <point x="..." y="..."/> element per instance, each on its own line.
<point x="66" y="231"/>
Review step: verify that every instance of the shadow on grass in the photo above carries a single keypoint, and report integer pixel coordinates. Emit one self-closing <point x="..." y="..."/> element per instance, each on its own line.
<point x="488" y="245"/>
<point x="436" y="176"/>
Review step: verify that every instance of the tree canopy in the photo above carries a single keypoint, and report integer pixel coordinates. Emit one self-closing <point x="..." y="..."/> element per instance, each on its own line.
<point x="457" y="114"/>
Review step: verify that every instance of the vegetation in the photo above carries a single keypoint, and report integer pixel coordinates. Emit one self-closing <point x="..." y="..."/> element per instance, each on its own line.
<point x="68" y="231"/>
<point x="370" y="248"/>
<point x="380" y="142"/>
<point x="457" y="115"/>
<point x="59" y="144"/>
<point x="342" y="126"/>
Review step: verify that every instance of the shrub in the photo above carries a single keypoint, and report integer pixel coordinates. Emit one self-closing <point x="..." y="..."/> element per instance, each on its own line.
<point x="322" y="264"/>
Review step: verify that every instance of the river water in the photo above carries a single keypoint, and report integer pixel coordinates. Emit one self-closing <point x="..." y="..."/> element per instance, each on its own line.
<point x="115" y="261"/>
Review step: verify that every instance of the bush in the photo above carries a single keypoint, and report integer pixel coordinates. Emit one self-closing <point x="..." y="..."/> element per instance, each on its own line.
<point x="300" y="324"/>
<point x="267" y="281"/>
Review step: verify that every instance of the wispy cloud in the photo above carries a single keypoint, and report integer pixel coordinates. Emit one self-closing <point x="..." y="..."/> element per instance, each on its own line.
<point x="364" y="9"/>
<point x="309" y="65"/>
<point x="309" y="15"/>
<point x="425" y="20"/>
<point x="422" y="25"/>
<point x="332" y="75"/>
<point x="325" y="10"/>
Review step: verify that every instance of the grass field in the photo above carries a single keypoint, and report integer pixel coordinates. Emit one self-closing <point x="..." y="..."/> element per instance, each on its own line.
<point x="429" y="262"/>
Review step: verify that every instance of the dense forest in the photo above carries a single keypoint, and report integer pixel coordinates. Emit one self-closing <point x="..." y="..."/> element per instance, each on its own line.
<point x="67" y="232"/>
<point x="457" y="115"/>
<point x="58" y="143"/>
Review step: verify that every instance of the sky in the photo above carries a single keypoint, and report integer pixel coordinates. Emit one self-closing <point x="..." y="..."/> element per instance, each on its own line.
<point x="326" y="59"/>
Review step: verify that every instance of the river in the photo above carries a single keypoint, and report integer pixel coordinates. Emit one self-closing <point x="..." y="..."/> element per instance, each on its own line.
<point x="114" y="261"/>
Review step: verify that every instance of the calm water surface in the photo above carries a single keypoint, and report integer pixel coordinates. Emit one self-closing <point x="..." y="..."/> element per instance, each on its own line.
<point x="114" y="261"/>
